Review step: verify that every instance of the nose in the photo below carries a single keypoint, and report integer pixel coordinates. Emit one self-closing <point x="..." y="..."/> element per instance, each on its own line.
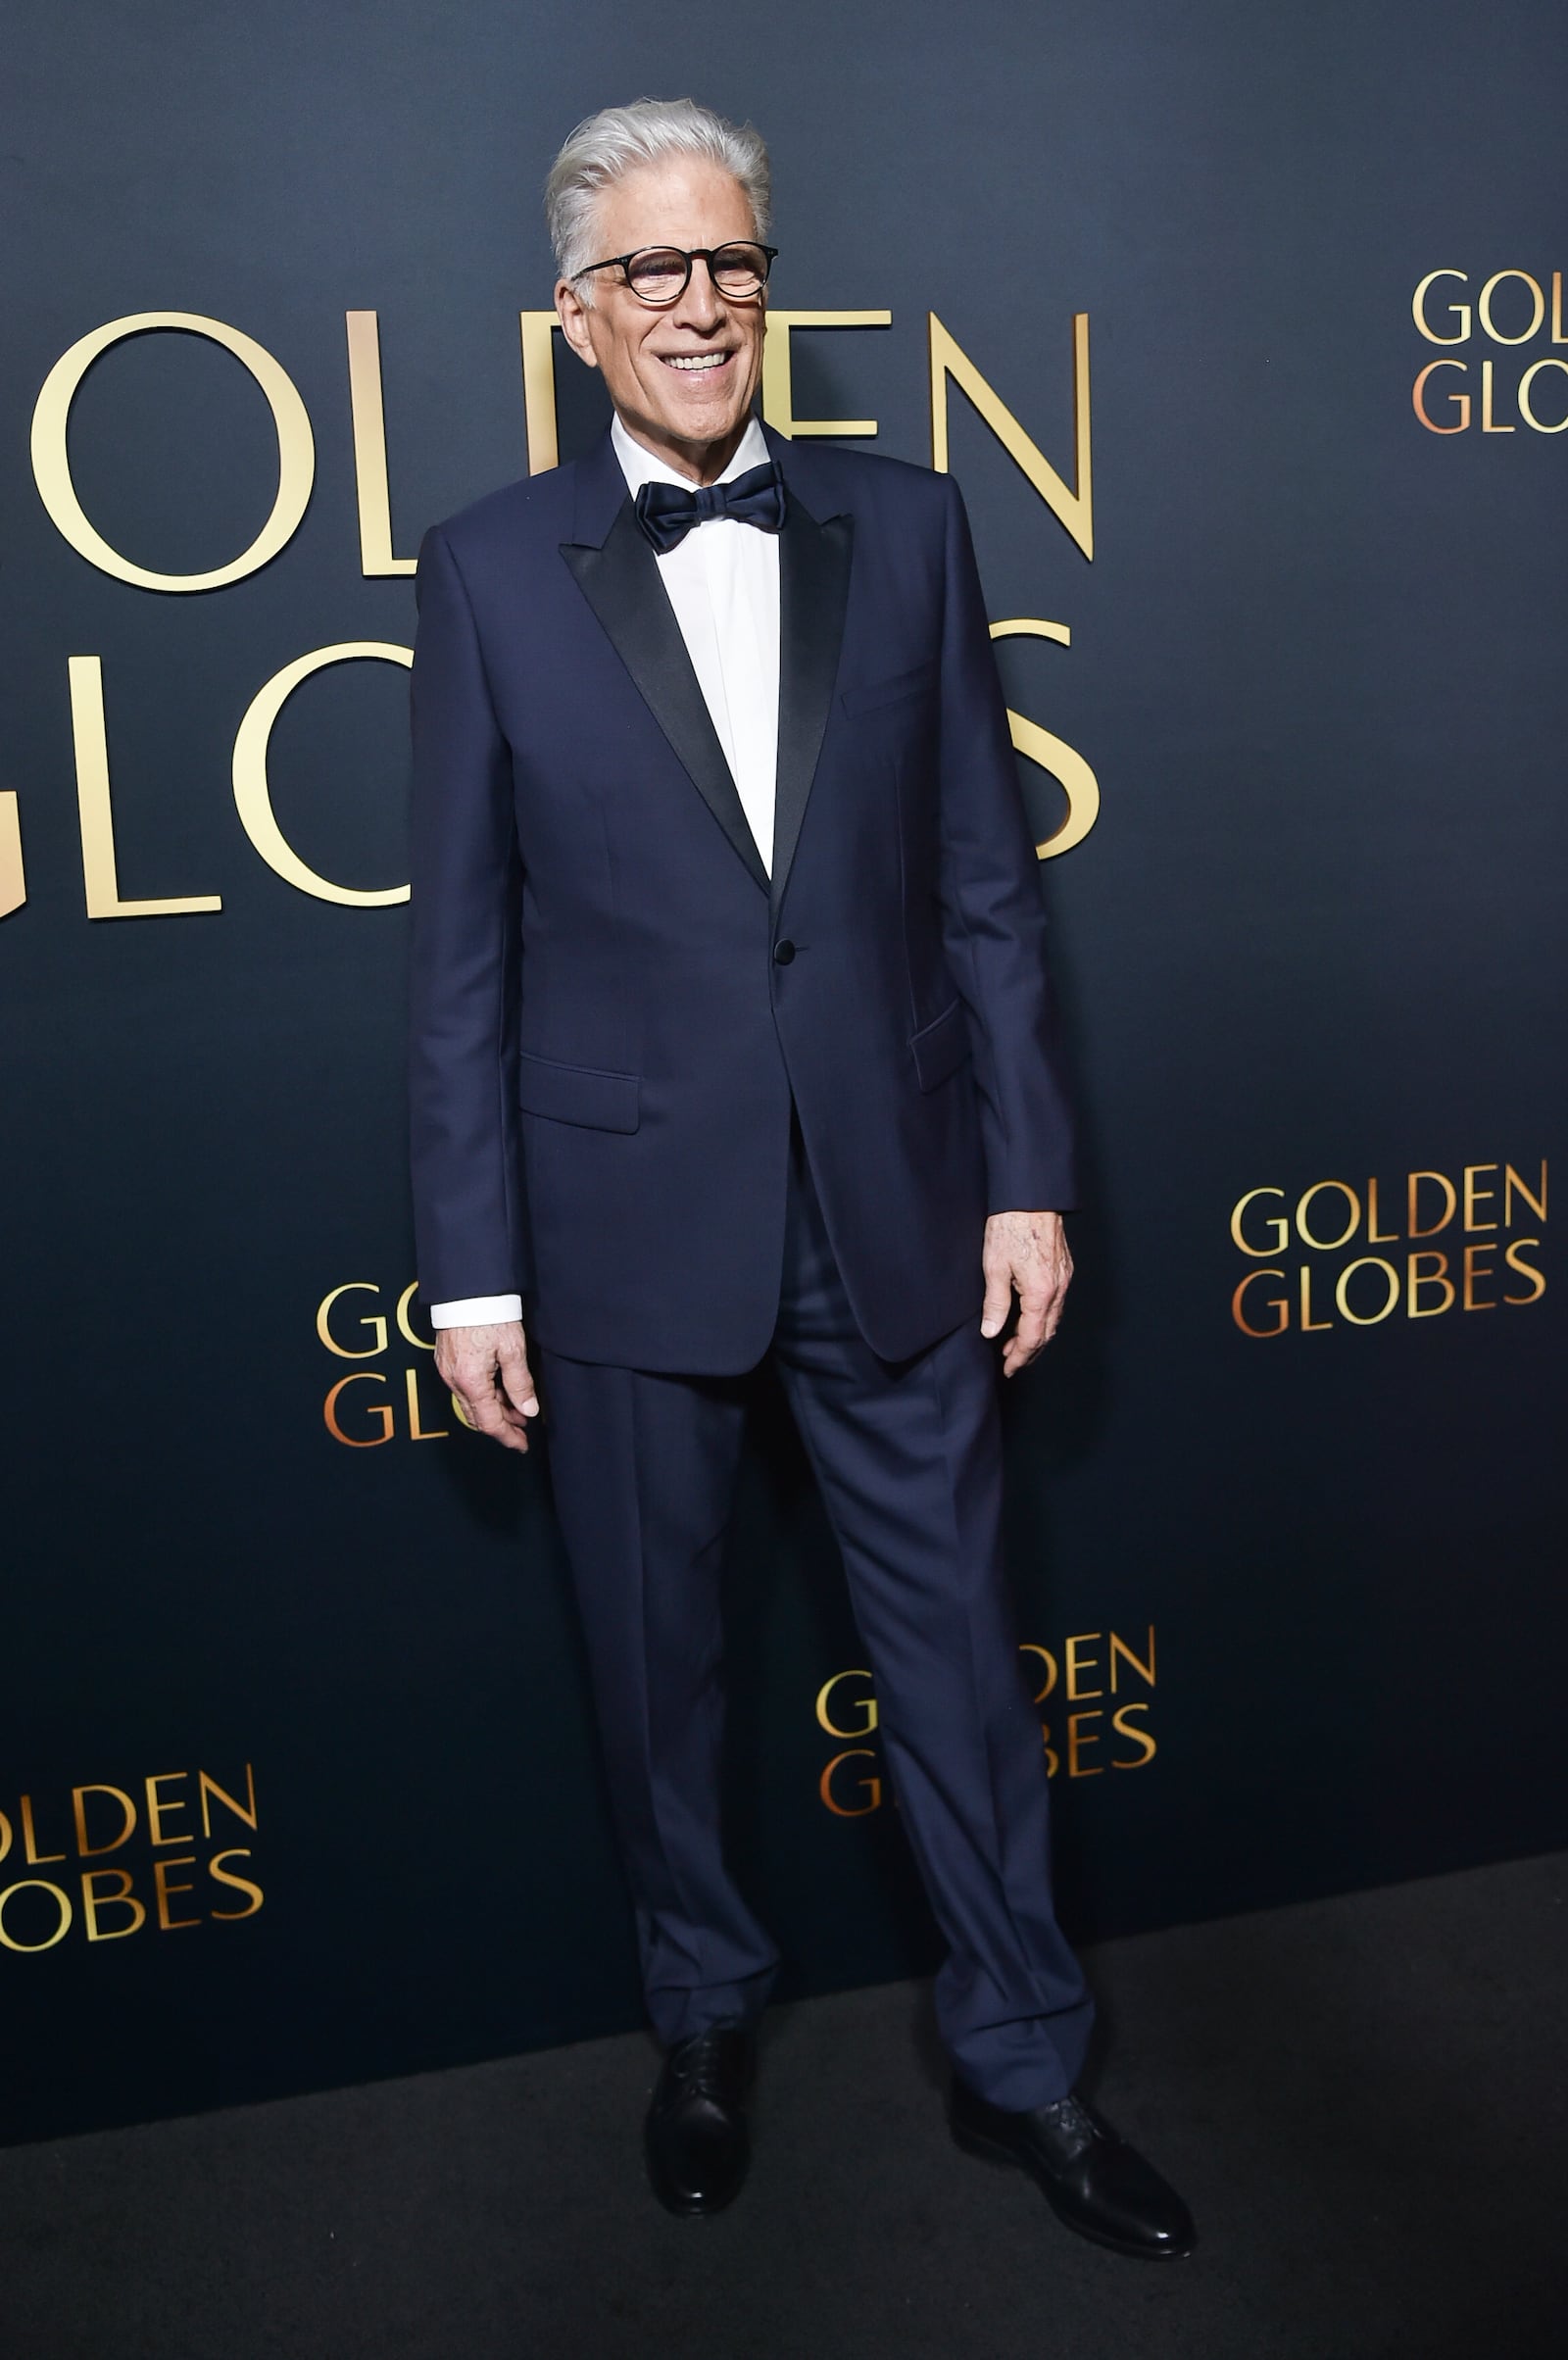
<point x="700" y="306"/>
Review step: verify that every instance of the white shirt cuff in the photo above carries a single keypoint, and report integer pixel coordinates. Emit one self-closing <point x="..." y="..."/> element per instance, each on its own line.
<point x="476" y="1310"/>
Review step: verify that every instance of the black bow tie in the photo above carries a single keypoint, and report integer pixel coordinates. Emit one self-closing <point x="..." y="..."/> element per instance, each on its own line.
<point x="666" y="512"/>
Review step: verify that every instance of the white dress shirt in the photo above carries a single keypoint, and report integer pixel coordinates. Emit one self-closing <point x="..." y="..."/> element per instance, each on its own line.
<point x="722" y="581"/>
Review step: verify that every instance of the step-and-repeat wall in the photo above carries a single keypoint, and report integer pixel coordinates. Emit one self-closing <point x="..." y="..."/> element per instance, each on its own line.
<point x="1245" y="331"/>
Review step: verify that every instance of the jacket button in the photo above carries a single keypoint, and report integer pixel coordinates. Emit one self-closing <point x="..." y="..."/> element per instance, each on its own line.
<point x="783" y="953"/>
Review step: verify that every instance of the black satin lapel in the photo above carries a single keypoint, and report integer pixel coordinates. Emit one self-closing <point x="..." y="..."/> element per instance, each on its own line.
<point x="620" y="582"/>
<point x="813" y="592"/>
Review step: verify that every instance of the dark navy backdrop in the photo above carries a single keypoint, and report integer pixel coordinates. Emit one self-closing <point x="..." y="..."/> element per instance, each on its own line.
<point x="1315" y="667"/>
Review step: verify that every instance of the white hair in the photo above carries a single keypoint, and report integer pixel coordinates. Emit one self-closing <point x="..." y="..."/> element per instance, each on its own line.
<point x="621" y="139"/>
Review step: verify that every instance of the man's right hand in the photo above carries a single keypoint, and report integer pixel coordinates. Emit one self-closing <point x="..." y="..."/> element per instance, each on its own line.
<point x="487" y="1368"/>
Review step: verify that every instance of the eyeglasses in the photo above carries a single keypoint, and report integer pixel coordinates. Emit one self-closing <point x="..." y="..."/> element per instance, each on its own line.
<point x="661" y="274"/>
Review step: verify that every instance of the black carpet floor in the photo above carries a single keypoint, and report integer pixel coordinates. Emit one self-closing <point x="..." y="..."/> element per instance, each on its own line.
<point x="1362" y="2099"/>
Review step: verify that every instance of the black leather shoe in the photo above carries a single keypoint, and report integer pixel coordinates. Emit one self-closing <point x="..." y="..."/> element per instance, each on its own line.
<point x="1092" y="2180"/>
<point x="694" y="2134"/>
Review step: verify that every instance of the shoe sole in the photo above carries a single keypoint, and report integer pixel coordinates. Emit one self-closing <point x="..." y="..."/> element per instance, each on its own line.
<point x="688" y="2211"/>
<point x="992" y="2150"/>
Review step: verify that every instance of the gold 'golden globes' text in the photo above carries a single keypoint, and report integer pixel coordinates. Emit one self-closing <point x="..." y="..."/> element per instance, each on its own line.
<point x="182" y="1860"/>
<point x="1344" y="1253"/>
<point x="1522" y="384"/>
<point x="368" y="1406"/>
<point x="947" y="363"/>
<point x="1102" y="1683"/>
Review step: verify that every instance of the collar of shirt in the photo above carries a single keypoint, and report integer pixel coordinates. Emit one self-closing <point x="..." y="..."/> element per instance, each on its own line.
<point x="640" y="466"/>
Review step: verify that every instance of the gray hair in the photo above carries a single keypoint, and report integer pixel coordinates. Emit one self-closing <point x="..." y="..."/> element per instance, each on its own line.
<point x="621" y="139"/>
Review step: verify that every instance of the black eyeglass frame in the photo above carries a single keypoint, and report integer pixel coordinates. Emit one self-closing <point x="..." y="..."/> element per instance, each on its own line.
<point x="697" y="254"/>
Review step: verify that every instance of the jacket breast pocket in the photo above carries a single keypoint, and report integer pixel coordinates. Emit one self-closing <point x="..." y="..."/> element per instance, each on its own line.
<point x="939" y="1048"/>
<point x="578" y="1094"/>
<point x="918" y="680"/>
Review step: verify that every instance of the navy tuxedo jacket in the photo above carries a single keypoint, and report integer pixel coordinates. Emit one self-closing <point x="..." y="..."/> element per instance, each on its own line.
<point x="613" y="1008"/>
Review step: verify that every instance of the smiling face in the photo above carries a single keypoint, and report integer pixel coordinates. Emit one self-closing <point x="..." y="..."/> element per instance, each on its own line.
<point x="682" y="378"/>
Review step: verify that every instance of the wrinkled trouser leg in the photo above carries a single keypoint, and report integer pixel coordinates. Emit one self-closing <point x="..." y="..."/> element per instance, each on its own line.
<point x="908" y="1457"/>
<point x="644" y="1470"/>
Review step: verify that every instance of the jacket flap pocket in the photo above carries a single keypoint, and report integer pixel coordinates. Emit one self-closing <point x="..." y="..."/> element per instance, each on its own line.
<point x="919" y="679"/>
<point x="579" y="1094"/>
<point x="940" y="1047"/>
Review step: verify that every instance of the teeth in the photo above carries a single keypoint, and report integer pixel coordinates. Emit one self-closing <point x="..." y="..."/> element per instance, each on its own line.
<point x="695" y="361"/>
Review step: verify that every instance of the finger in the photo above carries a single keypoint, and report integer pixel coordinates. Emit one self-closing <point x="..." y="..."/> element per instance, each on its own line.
<point x="1058" y="1296"/>
<point x="489" y="1416"/>
<point x="504" y="1408"/>
<point x="1028" y="1337"/>
<point x="998" y="1300"/>
<point x="1030" y="1333"/>
<point x="1016" y="1357"/>
<point x="517" y="1384"/>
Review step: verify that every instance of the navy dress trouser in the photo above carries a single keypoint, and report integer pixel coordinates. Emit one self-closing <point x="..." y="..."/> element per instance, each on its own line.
<point x="908" y="1458"/>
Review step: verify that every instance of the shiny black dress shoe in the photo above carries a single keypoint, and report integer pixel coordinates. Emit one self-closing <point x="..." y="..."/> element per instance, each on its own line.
<point x="1092" y="2179"/>
<point x="695" y="2135"/>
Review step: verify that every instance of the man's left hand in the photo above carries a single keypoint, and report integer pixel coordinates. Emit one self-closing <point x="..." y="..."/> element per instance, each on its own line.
<point x="1027" y="1251"/>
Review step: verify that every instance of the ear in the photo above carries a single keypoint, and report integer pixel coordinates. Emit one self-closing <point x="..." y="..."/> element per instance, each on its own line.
<point x="572" y="313"/>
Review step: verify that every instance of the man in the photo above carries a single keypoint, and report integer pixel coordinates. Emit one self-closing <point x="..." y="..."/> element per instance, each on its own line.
<point x="731" y="1034"/>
